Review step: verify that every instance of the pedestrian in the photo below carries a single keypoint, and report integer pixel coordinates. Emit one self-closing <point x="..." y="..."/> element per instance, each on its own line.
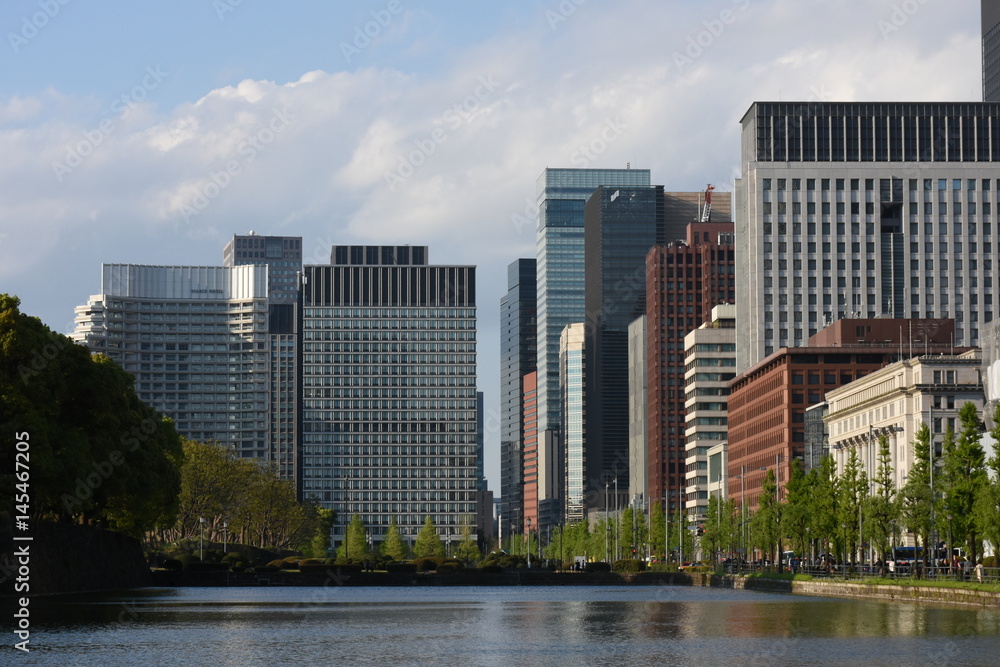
<point x="979" y="571"/>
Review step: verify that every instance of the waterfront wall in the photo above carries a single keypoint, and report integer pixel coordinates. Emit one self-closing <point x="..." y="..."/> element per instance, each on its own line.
<point x="71" y="559"/>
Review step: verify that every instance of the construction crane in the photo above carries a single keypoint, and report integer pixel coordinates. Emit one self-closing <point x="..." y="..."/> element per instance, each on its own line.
<point x="707" y="211"/>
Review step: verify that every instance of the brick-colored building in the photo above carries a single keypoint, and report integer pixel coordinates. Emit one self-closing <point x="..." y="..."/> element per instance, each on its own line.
<point x="767" y="402"/>
<point x="530" y="416"/>
<point x="684" y="281"/>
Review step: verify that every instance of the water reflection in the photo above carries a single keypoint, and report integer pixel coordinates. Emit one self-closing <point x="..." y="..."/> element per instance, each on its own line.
<point x="486" y="626"/>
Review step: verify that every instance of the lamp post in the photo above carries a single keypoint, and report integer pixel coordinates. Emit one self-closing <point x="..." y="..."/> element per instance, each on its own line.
<point x="528" y="544"/>
<point x="843" y="563"/>
<point x="201" y="547"/>
<point x="225" y="536"/>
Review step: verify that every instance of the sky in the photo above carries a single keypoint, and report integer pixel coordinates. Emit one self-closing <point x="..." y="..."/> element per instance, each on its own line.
<point x="150" y="133"/>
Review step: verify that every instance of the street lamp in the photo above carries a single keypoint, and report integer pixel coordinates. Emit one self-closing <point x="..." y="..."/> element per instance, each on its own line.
<point x="201" y="547"/>
<point x="225" y="536"/>
<point x="528" y="545"/>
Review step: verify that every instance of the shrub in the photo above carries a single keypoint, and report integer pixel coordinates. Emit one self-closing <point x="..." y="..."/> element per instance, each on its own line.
<point x="310" y="561"/>
<point x="276" y="564"/>
<point x="400" y="567"/>
<point x="451" y="566"/>
<point x="491" y="569"/>
<point x="425" y="564"/>
<point x="597" y="567"/>
<point x="990" y="561"/>
<point x="629" y="565"/>
<point x="186" y="560"/>
<point x="233" y="557"/>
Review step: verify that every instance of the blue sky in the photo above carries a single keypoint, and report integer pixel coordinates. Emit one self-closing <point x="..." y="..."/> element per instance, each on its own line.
<point x="152" y="132"/>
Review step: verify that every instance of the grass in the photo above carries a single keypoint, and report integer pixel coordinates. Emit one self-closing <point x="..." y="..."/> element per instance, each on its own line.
<point x="880" y="581"/>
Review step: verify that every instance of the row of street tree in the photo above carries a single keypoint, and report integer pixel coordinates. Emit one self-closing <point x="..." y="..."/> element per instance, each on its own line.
<point x="950" y="497"/>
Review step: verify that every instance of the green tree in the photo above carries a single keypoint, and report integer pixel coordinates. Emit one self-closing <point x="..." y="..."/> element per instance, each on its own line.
<point x="964" y="477"/>
<point x="98" y="454"/>
<point x="852" y="489"/>
<point x="881" y="510"/>
<point x="428" y="541"/>
<point x="916" y="500"/>
<point x="824" y="511"/>
<point x="987" y="509"/>
<point x="467" y="550"/>
<point x="767" y="519"/>
<point x="711" y="537"/>
<point x="657" y="530"/>
<point x="393" y="545"/>
<point x="319" y="545"/>
<point x="795" y="515"/>
<point x="355" y="546"/>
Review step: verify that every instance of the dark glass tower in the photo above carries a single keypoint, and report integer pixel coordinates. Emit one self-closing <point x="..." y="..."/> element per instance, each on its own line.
<point x="517" y="359"/>
<point x="991" y="50"/>
<point x="621" y="225"/>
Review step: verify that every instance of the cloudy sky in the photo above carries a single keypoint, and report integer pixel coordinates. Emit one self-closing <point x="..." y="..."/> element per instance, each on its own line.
<point x="152" y="132"/>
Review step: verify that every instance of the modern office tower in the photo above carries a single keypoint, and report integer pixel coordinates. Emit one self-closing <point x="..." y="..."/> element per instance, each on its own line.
<point x="621" y="225"/>
<point x="864" y="210"/>
<point x="709" y="356"/>
<point x="561" y="195"/>
<point x="684" y="281"/>
<point x="196" y="340"/>
<point x="990" y="10"/>
<point x="529" y="407"/>
<point x="817" y="436"/>
<point x="767" y="403"/>
<point x="894" y="401"/>
<point x="389" y="423"/>
<point x="638" y="459"/>
<point x="282" y="255"/>
<point x="517" y="359"/>
<point x="571" y="378"/>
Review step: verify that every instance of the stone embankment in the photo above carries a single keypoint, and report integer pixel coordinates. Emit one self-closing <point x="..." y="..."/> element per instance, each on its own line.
<point x="860" y="590"/>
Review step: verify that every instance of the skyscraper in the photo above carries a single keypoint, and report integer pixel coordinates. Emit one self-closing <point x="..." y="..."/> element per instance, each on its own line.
<point x="281" y="254"/>
<point x="517" y="359"/>
<point x="621" y="224"/>
<point x="195" y="338"/>
<point x="864" y="210"/>
<point x="571" y="373"/>
<point x="560" y="267"/>
<point x="389" y="415"/>
<point x="684" y="281"/>
<point x="990" y="11"/>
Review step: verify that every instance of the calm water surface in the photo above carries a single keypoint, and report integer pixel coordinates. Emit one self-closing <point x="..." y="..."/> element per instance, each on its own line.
<point x="654" y="625"/>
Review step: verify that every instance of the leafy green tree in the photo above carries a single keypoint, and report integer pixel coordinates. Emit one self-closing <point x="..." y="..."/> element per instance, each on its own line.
<point x="319" y="545"/>
<point x="712" y="537"/>
<point x="795" y="515"/>
<point x="99" y="455"/>
<point x="467" y="550"/>
<point x="852" y="489"/>
<point x="767" y="519"/>
<point x="987" y="509"/>
<point x="881" y="510"/>
<point x="355" y="546"/>
<point x="393" y="545"/>
<point x="964" y="478"/>
<point x="428" y="541"/>
<point x="657" y="530"/>
<point x="916" y="500"/>
<point x="824" y="510"/>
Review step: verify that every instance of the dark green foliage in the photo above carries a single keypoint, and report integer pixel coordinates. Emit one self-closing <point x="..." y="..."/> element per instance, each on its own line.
<point x="400" y="568"/>
<point x="597" y="567"/>
<point x="629" y="565"/>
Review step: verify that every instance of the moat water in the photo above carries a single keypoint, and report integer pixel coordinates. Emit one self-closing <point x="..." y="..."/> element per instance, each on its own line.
<point x="528" y="625"/>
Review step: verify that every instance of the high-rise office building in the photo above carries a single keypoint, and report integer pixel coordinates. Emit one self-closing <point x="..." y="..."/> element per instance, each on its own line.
<point x="621" y="225"/>
<point x="990" y="13"/>
<point x="529" y="408"/>
<point x="572" y="360"/>
<point x="561" y="195"/>
<point x="389" y="416"/>
<point x="638" y="452"/>
<point x="864" y="210"/>
<point x="196" y="340"/>
<point x="684" y="281"/>
<point x="517" y="359"/>
<point x="709" y="359"/>
<point x="281" y="254"/>
<point x="283" y="257"/>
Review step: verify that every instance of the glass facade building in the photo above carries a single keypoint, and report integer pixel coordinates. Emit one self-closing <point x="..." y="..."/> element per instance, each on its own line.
<point x="389" y="414"/>
<point x="991" y="50"/>
<point x="855" y="210"/>
<point x="281" y="254"/>
<point x="571" y="372"/>
<point x="517" y="358"/>
<point x="622" y="224"/>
